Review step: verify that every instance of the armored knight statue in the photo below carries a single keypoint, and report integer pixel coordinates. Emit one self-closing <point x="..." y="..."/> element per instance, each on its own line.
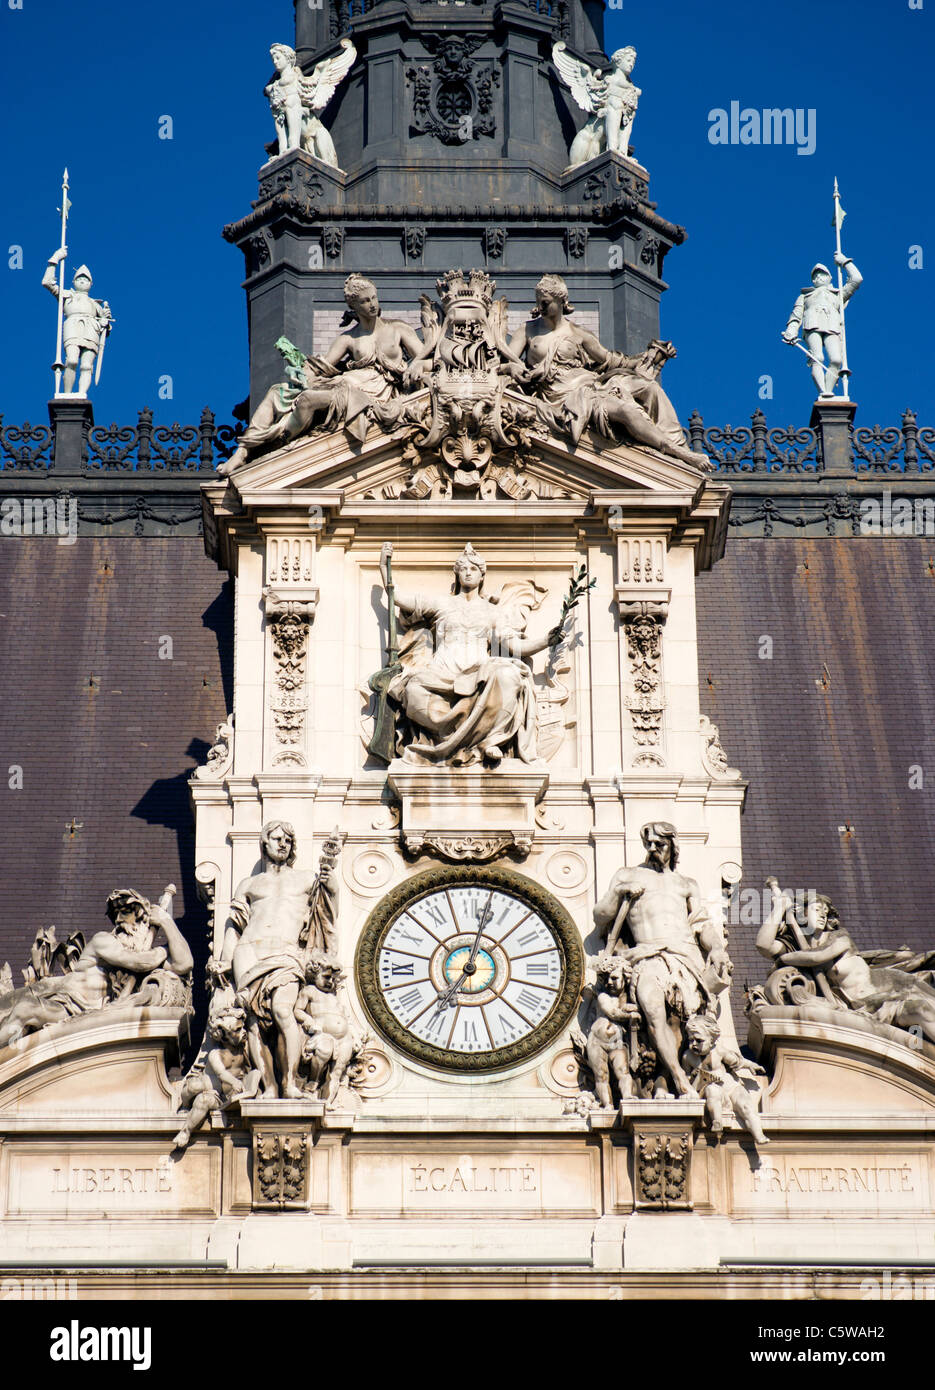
<point x="818" y="961"/>
<point x="362" y="371"/>
<point x="610" y="100"/>
<point x="117" y="967"/>
<point x="87" y="322"/>
<point x="673" y="955"/>
<point x="295" y="100"/>
<point x="590" y="385"/>
<point x="818" y="314"/>
<point x="465" y="691"/>
<point x="277" y="918"/>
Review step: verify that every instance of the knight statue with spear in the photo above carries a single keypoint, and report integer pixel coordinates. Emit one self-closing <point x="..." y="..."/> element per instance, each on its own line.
<point x="83" y="322"/>
<point x="819" y="315"/>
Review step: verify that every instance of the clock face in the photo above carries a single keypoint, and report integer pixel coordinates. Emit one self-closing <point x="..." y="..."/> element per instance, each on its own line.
<point x="470" y="969"/>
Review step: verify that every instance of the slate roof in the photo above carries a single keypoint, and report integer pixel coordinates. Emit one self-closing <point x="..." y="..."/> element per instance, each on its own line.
<point x="826" y="731"/>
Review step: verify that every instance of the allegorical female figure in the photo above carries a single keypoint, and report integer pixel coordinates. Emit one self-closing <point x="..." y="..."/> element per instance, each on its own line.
<point x="466" y="689"/>
<point x="591" y="385"/>
<point x="362" y="371"/>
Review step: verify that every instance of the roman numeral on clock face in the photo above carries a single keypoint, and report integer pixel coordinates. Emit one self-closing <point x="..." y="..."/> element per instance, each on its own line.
<point x="402" y="969"/>
<point x="435" y="912"/>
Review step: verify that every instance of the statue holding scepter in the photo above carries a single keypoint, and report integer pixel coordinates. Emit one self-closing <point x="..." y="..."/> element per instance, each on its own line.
<point x="465" y="688"/>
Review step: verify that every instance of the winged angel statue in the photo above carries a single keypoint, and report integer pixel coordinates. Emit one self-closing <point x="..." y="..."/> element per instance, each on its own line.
<point x="295" y="100"/>
<point x="610" y="98"/>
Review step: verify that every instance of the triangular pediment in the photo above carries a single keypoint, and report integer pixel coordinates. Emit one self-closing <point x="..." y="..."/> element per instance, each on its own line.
<point x="381" y="467"/>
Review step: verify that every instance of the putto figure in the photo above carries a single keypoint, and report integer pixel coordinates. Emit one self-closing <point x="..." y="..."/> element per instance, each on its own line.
<point x="225" y="1076"/>
<point x="277" y="918"/>
<point x="719" y="1075"/>
<point x="330" y="1045"/>
<point x="588" y="384"/>
<point x="295" y="100"/>
<point x="675" y="959"/>
<point x="466" y="690"/>
<point x="86" y="324"/>
<point x="609" y="98"/>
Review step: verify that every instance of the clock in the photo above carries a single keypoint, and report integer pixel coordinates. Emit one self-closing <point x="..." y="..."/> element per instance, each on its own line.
<point x="470" y="969"/>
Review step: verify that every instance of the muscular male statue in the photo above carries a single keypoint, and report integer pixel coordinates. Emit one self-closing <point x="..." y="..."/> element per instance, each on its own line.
<point x="115" y="967"/>
<point x="675" y="955"/>
<point x="277" y="918"/>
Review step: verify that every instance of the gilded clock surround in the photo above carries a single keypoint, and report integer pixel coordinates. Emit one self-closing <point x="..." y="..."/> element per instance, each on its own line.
<point x="383" y="917"/>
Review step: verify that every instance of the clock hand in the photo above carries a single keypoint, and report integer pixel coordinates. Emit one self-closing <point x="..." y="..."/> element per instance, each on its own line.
<point x="484" y="919"/>
<point x="445" y="998"/>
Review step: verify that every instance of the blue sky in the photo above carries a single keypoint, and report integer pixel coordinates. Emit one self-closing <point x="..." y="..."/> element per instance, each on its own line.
<point x="85" y="85"/>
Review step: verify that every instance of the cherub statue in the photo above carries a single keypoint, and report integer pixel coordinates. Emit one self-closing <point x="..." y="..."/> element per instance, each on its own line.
<point x="608" y="1048"/>
<point x="609" y="98"/>
<point x="718" y="1074"/>
<point x="330" y="1045"/>
<point x="226" y="1075"/>
<point x="295" y="99"/>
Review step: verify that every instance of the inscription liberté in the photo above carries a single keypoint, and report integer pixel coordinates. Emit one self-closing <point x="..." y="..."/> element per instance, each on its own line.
<point x="469" y="1178"/>
<point x="117" y="1181"/>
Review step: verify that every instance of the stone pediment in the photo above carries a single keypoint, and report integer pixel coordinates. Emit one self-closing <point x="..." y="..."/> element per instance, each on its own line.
<point x="329" y="460"/>
<point x="384" y="477"/>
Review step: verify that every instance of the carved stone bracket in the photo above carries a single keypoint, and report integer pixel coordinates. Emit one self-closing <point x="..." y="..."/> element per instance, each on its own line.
<point x="280" y="1169"/>
<point x="662" y="1169"/>
<point x="576" y="241"/>
<point x="478" y="848"/>
<point x="332" y="238"/>
<point x="467" y="815"/>
<point x="712" y="753"/>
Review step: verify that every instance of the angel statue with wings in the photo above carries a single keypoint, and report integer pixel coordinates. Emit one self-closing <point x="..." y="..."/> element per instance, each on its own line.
<point x="610" y="99"/>
<point x="465" y="688"/>
<point x="295" y="100"/>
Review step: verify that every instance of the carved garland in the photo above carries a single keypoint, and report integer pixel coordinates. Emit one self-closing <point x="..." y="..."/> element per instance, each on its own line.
<point x="645" y="698"/>
<point x="289" y="620"/>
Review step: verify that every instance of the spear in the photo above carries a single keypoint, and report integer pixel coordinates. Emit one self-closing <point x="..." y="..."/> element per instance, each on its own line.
<point x="59" y="364"/>
<point x="383" y="739"/>
<point x="839" y="216"/>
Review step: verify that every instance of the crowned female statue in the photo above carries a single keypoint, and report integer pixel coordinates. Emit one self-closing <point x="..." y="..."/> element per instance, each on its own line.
<point x="466" y="690"/>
